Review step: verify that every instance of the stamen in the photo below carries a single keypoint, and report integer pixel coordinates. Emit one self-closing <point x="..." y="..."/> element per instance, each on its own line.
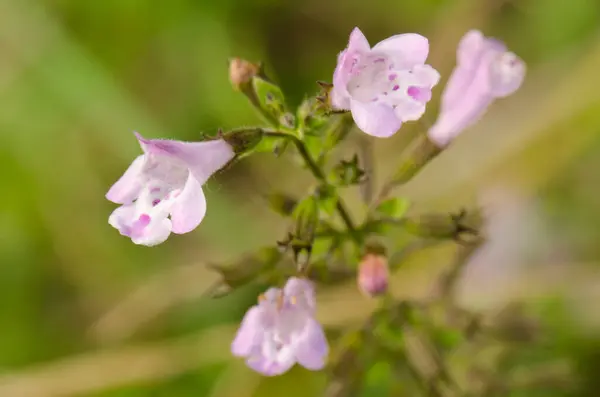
<point x="261" y="298"/>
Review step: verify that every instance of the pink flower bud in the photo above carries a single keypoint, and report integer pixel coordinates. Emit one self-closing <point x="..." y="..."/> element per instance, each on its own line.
<point x="241" y="72"/>
<point x="373" y="274"/>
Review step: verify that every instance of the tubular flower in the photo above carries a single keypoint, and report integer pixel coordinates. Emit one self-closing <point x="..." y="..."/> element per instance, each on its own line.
<point x="485" y="70"/>
<point x="166" y="181"/>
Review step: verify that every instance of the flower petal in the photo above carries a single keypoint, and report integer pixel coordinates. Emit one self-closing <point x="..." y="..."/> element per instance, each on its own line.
<point x="375" y="118"/>
<point x="506" y="75"/>
<point x="122" y="217"/>
<point x="413" y="48"/>
<point x="358" y="41"/>
<point x="303" y="291"/>
<point x="189" y="207"/>
<point x="267" y="367"/>
<point x="469" y="47"/>
<point x="202" y="158"/>
<point x="249" y="333"/>
<point x="155" y="233"/>
<point x="347" y="59"/>
<point x="425" y="76"/>
<point x="313" y="349"/>
<point x="127" y="188"/>
<point x="410" y="110"/>
<point x="340" y="98"/>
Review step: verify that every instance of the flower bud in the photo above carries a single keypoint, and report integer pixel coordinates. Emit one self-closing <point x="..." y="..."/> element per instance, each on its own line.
<point x="306" y="220"/>
<point x="241" y="73"/>
<point x="244" y="139"/>
<point x="373" y="272"/>
<point x="265" y="96"/>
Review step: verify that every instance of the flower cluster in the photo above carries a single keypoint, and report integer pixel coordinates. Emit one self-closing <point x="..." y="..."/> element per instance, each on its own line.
<point x="380" y="87"/>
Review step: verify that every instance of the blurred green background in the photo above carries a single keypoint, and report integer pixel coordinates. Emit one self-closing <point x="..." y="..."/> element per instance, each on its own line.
<point x="84" y="312"/>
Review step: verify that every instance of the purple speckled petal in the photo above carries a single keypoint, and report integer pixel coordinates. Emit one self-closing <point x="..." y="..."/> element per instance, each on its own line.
<point x="313" y="349"/>
<point x="202" y="158"/>
<point x="189" y="207"/>
<point x="411" y="47"/>
<point x="142" y="229"/>
<point x="156" y="232"/>
<point x="127" y="188"/>
<point x="249" y="333"/>
<point x="375" y="118"/>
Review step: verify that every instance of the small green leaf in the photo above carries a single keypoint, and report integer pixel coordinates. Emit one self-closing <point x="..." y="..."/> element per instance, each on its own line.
<point x="395" y="207"/>
<point x="270" y="98"/>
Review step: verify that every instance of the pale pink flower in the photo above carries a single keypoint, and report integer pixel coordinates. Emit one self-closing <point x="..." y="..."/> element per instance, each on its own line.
<point x="386" y="85"/>
<point x="165" y="181"/>
<point x="485" y="71"/>
<point x="282" y="330"/>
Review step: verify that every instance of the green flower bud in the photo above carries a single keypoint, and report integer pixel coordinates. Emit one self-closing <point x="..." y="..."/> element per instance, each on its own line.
<point x="306" y="221"/>
<point x="243" y="140"/>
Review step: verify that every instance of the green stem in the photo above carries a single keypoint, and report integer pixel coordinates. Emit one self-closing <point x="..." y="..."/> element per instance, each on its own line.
<point x="320" y="175"/>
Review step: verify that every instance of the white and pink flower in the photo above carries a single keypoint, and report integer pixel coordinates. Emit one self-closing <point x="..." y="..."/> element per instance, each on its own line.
<point x="281" y="331"/>
<point x="166" y="181"/>
<point x="386" y="85"/>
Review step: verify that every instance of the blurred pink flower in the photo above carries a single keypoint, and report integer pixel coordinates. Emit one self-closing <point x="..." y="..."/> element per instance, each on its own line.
<point x="385" y="85"/>
<point x="485" y="71"/>
<point x="281" y="330"/>
<point x="373" y="274"/>
<point x="166" y="180"/>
